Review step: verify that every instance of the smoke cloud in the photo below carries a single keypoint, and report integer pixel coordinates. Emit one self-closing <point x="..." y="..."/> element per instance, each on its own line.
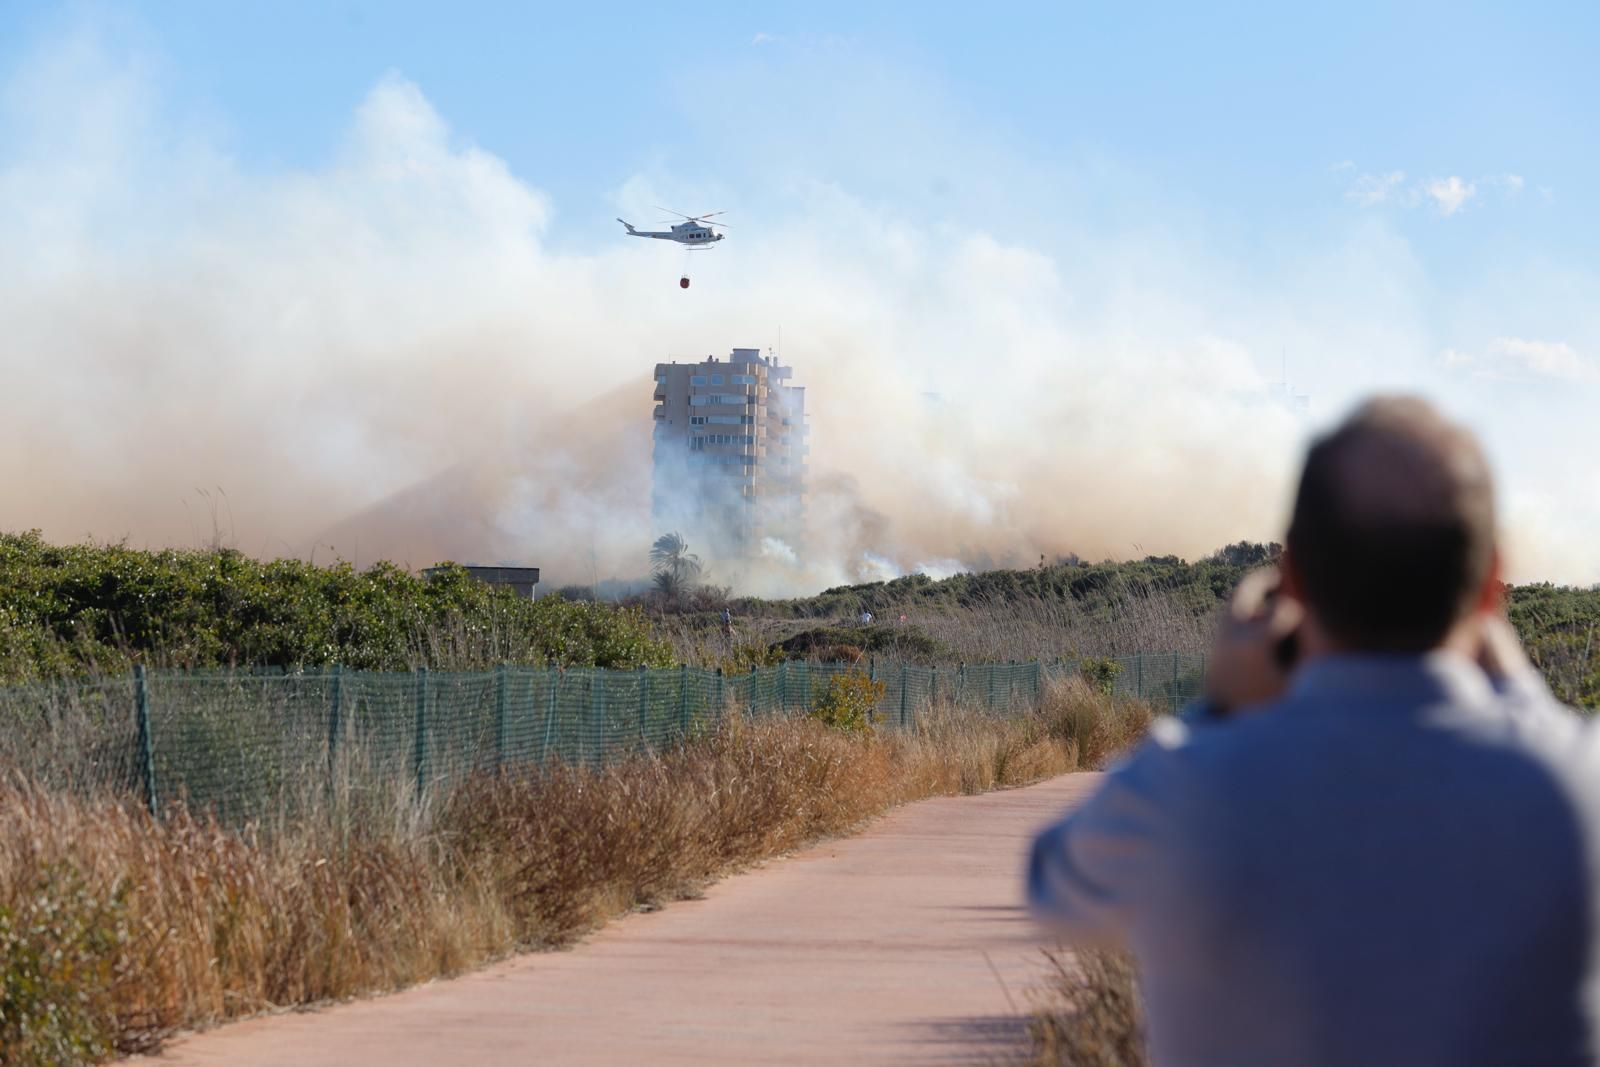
<point x="402" y="354"/>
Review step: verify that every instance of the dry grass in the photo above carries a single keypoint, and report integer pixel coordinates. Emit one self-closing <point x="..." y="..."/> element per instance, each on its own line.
<point x="1092" y="1016"/>
<point x="988" y="630"/>
<point x="116" y="929"/>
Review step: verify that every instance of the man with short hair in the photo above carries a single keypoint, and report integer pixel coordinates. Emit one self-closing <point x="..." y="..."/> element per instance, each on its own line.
<point x="1381" y="845"/>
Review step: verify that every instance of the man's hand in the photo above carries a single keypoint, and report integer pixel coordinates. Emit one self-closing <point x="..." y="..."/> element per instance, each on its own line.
<point x="1246" y="668"/>
<point x="1500" y="651"/>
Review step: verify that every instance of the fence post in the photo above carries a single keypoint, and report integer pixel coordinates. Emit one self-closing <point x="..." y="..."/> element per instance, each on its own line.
<point x="754" y="680"/>
<point x="1138" y="674"/>
<point x="644" y="705"/>
<point x="933" y="688"/>
<point x="683" y="699"/>
<point x="335" y="712"/>
<point x="500" y="702"/>
<point x="420" y="756"/>
<point x="722" y="700"/>
<point x="990" y="669"/>
<point x="549" y="713"/>
<point x="597" y="710"/>
<point x="147" y="752"/>
<point x="872" y="668"/>
<point x="783" y="695"/>
<point x="1174" y="697"/>
<point x="904" y="689"/>
<point x="961" y="682"/>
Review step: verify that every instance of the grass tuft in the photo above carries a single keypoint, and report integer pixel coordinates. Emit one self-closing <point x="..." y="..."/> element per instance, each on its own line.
<point x="1092" y="1016"/>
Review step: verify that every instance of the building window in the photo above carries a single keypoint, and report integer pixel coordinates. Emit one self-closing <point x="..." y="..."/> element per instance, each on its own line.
<point x="698" y="379"/>
<point x="744" y="379"/>
<point x="716" y="379"/>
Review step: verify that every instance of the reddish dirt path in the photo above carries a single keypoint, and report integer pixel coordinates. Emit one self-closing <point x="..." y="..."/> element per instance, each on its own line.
<point x="879" y="948"/>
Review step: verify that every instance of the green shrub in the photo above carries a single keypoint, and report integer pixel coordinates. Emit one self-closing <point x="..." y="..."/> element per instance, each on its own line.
<point x="58" y="963"/>
<point x="81" y="609"/>
<point x="1100" y="672"/>
<point x="746" y="658"/>
<point x="847" y="701"/>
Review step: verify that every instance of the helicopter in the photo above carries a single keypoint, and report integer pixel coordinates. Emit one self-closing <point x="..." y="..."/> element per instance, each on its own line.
<point x="692" y="231"/>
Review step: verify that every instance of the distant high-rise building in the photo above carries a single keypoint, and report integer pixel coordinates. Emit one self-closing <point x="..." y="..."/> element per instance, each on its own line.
<point x="729" y="455"/>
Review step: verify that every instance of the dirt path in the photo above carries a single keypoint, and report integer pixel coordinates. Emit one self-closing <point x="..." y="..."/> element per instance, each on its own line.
<point x="880" y="948"/>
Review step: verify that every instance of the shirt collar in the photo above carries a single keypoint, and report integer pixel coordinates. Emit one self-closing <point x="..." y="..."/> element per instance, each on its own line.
<point x="1386" y="681"/>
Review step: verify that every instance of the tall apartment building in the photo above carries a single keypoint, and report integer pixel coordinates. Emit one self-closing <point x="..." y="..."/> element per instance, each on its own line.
<point x="729" y="454"/>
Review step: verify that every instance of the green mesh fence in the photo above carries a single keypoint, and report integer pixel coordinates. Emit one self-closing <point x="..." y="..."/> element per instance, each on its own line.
<point x="254" y="744"/>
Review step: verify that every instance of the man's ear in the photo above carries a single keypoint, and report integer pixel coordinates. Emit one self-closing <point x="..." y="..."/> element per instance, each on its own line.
<point x="1492" y="598"/>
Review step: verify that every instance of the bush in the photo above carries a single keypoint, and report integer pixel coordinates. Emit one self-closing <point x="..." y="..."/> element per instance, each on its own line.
<point x="1100" y="672"/>
<point x="59" y="947"/>
<point x="84" y="609"/>
<point x="848" y="702"/>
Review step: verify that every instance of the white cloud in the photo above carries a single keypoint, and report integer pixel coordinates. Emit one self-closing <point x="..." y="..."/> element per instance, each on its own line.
<point x="762" y="38"/>
<point x="1552" y="360"/>
<point x="1516" y="359"/>
<point x="1371" y="189"/>
<point x="1450" y="194"/>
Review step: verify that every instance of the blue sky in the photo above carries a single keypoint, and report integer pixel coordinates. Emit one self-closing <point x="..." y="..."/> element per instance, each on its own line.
<point x="1148" y="198"/>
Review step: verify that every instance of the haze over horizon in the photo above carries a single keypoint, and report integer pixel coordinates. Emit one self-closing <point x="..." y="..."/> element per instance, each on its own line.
<point x="1040" y="276"/>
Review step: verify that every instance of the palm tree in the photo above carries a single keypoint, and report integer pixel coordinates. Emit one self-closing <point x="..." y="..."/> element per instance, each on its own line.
<point x="670" y="557"/>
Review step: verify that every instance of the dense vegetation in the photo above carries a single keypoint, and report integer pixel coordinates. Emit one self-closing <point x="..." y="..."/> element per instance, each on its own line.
<point x="84" y="608"/>
<point x="1096" y="586"/>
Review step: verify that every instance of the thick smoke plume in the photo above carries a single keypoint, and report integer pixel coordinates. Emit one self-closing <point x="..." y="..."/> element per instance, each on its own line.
<point x="390" y="356"/>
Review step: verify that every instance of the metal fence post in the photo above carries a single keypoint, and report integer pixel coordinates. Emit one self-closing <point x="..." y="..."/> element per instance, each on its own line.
<point x="933" y="688"/>
<point x="1138" y="674"/>
<point x="722" y="700"/>
<point x="420" y="755"/>
<point x="147" y="753"/>
<point x="904" y="689"/>
<point x="783" y="696"/>
<point x="683" y="699"/>
<point x="549" y="713"/>
<point x="500" y="703"/>
<point x="961" y="682"/>
<point x="754" y="681"/>
<point x="335" y="712"/>
<point x="597" y="711"/>
<point x="1174" y="697"/>
<point x="644" y="705"/>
